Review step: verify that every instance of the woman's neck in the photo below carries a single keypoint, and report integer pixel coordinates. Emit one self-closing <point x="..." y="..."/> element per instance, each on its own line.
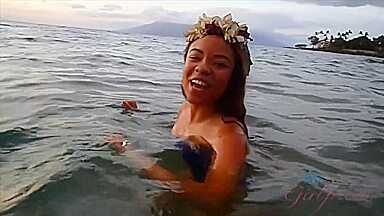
<point x="199" y="113"/>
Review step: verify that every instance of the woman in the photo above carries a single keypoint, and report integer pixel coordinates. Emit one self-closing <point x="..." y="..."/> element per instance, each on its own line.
<point x="211" y="119"/>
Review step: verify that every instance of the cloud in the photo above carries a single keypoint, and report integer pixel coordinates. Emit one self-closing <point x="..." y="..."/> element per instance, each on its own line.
<point x="78" y="6"/>
<point x="266" y="22"/>
<point x="148" y="15"/>
<point x="110" y="7"/>
<point x="160" y="14"/>
<point x="346" y="3"/>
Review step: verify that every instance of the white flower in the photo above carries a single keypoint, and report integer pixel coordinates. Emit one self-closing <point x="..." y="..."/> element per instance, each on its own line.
<point x="202" y="25"/>
<point x="242" y="27"/>
<point x="189" y="32"/>
<point x="206" y="19"/>
<point x="231" y="33"/>
<point x="226" y="37"/>
<point x="218" y="21"/>
<point x="227" y="17"/>
<point x="240" y="39"/>
<point x="230" y="28"/>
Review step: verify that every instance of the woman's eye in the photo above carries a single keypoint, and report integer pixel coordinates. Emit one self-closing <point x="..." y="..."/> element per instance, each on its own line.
<point x="221" y="64"/>
<point x="193" y="57"/>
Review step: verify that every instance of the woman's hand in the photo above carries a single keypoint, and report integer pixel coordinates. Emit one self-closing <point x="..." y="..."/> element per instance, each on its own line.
<point x="146" y="164"/>
<point x="115" y="142"/>
<point x="129" y="104"/>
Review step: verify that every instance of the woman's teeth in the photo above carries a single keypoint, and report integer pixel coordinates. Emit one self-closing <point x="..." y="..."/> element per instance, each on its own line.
<point x="198" y="82"/>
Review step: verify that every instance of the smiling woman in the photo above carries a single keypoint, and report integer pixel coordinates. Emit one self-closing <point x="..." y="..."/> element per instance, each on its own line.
<point x="211" y="120"/>
<point x="207" y="70"/>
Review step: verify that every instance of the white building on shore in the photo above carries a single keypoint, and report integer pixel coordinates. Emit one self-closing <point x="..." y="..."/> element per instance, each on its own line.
<point x="322" y="45"/>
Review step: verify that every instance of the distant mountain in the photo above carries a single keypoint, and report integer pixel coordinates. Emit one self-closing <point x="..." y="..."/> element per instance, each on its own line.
<point x="267" y="39"/>
<point x="169" y="29"/>
<point x="166" y="29"/>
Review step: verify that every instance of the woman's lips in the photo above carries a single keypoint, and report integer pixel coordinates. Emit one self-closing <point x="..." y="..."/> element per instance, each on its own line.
<point x="198" y="84"/>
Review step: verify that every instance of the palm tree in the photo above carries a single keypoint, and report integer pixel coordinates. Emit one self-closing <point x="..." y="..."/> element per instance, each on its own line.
<point x="321" y="36"/>
<point x="327" y="35"/>
<point x="344" y="36"/>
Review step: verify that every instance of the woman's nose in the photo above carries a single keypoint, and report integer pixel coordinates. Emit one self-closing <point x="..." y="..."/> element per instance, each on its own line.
<point x="203" y="68"/>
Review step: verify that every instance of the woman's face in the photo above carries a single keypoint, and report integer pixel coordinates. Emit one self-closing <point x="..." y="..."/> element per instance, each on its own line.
<point x="207" y="70"/>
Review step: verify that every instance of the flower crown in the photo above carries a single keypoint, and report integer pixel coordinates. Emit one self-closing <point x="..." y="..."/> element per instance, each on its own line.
<point x="231" y="30"/>
<point x="226" y="27"/>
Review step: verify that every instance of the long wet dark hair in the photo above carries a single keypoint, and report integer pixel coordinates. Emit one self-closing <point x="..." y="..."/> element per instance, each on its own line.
<point x="231" y="103"/>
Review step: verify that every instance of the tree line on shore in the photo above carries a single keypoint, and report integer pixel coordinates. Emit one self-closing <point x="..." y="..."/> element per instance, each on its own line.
<point x="343" y="40"/>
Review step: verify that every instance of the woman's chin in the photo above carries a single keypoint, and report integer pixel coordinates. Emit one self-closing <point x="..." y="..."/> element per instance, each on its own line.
<point x="198" y="97"/>
<point x="197" y="100"/>
<point x="200" y="100"/>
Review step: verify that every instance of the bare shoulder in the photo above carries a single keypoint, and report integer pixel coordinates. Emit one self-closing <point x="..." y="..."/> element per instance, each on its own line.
<point x="233" y="137"/>
<point x="231" y="146"/>
<point x="230" y="128"/>
<point x="178" y="125"/>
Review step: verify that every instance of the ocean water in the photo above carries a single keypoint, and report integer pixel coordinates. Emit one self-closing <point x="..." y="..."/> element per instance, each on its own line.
<point x="316" y="125"/>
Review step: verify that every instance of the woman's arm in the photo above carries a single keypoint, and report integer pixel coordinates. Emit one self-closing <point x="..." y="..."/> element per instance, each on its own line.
<point x="147" y="165"/>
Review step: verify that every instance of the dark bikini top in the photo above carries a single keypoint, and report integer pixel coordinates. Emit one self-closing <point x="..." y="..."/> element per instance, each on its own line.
<point x="198" y="160"/>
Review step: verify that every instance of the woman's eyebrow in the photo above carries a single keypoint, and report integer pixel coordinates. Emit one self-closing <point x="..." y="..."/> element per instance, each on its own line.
<point x="196" y="49"/>
<point x="216" y="55"/>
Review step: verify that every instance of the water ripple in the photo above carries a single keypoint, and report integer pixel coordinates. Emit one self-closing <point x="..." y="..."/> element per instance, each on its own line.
<point x="372" y="122"/>
<point x="318" y="99"/>
<point x="340" y="110"/>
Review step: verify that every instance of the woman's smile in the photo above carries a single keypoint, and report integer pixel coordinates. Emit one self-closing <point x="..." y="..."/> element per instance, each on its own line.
<point x="198" y="85"/>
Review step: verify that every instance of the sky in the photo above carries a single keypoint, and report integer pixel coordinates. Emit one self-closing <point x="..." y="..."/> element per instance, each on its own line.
<point x="294" y="18"/>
